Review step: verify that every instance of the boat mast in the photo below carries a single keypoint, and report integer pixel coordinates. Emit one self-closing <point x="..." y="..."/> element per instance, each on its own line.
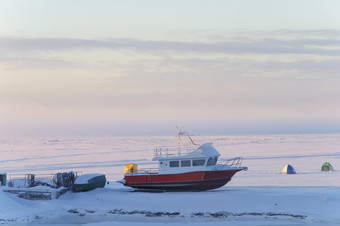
<point x="180" y="133"/>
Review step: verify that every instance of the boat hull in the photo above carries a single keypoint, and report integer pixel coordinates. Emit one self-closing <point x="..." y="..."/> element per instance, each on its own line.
<point x="193" y="181"/>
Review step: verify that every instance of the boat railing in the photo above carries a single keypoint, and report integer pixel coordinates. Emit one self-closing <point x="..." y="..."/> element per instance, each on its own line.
<point x="173" y="151"/>
<point x="53" y="180"/>
<point x="234" y="162"/>
<point x="148" y="171"/>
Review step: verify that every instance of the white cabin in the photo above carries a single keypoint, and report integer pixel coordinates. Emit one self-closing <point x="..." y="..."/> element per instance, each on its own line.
<point x="186" y="159"/>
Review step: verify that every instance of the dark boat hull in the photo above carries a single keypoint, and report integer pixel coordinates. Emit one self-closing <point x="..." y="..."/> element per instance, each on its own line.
<point x="191" y="181"/>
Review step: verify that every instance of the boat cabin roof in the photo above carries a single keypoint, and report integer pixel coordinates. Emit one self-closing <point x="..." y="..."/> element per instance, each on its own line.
<point x="205" y="150"/>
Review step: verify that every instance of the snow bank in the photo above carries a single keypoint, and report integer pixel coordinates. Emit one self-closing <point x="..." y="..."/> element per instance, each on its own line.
<point x="233" y="205"/>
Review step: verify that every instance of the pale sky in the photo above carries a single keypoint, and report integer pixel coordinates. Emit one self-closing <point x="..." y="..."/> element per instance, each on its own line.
<point x="102" y="68"/>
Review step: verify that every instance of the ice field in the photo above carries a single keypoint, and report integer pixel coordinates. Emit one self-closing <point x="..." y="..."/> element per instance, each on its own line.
<point x="259" y="196"/>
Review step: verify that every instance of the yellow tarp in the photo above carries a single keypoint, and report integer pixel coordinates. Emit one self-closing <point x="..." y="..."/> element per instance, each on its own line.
<point x="130" y="168"/>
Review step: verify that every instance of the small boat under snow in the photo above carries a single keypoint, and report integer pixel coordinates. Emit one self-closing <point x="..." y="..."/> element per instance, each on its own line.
<point x="184" y="167"/>
<point x="89" y="182"/>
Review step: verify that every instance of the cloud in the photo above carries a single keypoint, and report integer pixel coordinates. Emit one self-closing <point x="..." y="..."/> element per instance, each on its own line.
<point x="245" y="76"/>
<point x="245" y="53"/>
<point x="34" y="62"/>
<point x="245" y="43"/>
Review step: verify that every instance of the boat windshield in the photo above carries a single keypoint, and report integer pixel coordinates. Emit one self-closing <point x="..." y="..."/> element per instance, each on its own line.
<point x="212" y="161"/>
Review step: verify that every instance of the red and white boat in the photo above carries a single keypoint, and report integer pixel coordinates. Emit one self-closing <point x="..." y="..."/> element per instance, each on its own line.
<point x="184" y="167"/>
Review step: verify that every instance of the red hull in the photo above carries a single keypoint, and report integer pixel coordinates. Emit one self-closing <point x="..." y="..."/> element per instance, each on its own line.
<point x="200" y="180"/>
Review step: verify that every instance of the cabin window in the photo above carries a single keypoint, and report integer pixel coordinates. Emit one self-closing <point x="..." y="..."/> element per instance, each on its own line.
<point x="214" y="161"/>
<point x="185" y="163"/>
<point x="198" y="162"/>
<point x="174" y="163"/>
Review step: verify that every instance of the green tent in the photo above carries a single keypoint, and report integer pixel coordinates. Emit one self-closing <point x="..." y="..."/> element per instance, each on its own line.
<point x="327" y="167"/>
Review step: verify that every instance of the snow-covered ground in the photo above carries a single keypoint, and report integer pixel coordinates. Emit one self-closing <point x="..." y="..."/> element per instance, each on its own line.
<point x="259" y="196"/>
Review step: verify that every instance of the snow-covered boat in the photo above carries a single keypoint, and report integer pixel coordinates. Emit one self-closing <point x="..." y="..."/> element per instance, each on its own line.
<point x="88" y="182"/>
<point x="188" y="166"/>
